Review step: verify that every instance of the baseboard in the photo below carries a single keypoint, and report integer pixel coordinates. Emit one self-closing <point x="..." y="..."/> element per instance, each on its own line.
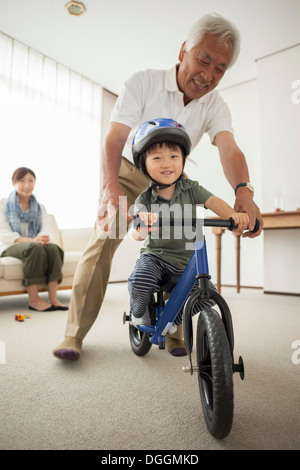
<point x="281" y="293"/>
<point x="294" y="294"/>
<point x="241" y="287"/>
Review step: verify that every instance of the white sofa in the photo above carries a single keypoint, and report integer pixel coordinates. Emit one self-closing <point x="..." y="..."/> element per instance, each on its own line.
<point x="73" y="242"/>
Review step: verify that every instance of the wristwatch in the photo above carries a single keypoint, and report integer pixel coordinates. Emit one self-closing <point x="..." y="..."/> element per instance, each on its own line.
<point x="246" y="185"/>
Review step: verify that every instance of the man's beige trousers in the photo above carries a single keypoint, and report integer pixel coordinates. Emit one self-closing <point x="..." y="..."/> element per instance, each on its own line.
<point x="93" y="270"/>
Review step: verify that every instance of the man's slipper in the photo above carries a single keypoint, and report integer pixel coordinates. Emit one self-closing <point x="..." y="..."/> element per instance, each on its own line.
<point x="69" y="349"/>
<point x="60" y="307"/>
<point x="178" y="352"/>
<point x="67" y="354"/>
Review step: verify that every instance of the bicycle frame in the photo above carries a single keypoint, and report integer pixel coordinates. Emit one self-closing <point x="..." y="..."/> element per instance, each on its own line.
<point x="197" y="268"/>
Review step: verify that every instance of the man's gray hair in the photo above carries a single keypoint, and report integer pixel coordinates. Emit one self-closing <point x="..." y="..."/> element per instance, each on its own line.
<point x="213" y="23"/>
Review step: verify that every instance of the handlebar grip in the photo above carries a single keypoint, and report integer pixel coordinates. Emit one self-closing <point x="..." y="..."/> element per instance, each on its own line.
<point x="256" y="226"/>
<point x="233" y="226"/>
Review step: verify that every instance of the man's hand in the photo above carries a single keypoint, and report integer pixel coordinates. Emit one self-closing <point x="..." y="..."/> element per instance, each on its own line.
<point x="112" y="199"/>
<point x="245" y="203"/>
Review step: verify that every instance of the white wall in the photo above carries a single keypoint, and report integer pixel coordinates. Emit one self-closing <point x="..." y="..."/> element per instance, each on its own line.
<point x="280" y="126"/>
<point x="280" y="130"/>
<point x="244" y="106"/>
<point x="282" y="261"/>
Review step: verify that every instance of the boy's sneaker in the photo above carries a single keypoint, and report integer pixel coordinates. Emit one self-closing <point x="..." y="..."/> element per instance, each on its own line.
<point x="172" y="329"/>
<point x="144" y="320"/>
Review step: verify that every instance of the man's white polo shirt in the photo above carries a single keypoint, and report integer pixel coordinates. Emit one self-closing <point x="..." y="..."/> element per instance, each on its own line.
<point x="153" y="94"/>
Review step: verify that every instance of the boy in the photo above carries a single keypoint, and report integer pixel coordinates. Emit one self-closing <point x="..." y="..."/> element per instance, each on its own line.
<point x="160" y="148"/>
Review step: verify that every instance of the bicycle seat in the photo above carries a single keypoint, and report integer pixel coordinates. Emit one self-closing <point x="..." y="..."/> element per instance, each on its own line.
<point x="168" y="282"/>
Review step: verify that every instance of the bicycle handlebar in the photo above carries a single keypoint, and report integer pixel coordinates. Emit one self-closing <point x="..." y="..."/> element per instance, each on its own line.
<point x="227" y="223"/>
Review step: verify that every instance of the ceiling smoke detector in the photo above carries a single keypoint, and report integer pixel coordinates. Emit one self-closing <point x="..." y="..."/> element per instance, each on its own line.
<point x="75" y="8"/>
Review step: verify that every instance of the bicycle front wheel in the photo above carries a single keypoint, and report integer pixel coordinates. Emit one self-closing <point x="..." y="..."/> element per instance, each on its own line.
<point x="215" y="375"/>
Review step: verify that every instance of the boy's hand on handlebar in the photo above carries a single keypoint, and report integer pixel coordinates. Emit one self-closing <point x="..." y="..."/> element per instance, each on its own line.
<point x="149" y="219"/>
<point x="241" y="221"/>
<point x="145" y="225"/>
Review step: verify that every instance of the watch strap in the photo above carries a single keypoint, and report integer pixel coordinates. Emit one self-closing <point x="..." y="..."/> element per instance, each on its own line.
<point x="240" y="185"/>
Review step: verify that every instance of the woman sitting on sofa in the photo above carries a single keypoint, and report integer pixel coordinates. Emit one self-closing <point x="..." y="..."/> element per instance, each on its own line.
<point x="25" y="233"/>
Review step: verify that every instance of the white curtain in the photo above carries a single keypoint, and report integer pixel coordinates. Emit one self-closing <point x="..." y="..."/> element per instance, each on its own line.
<point x="50" y="121"/>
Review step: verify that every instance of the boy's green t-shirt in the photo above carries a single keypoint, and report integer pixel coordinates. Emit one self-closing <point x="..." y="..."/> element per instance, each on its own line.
<point x="173" y="244"/>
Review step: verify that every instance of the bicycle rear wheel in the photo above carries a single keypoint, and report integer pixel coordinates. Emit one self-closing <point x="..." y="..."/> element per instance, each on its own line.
<point x="215" y="375"/>
<point x="139" y="341"/>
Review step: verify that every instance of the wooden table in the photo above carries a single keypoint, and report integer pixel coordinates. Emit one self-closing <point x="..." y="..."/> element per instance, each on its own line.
<point x="272" y="220"/>
<point x="285" y="220"/>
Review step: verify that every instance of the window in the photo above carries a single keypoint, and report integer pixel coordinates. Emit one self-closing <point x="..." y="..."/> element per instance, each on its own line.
<point x="50" y="121"/>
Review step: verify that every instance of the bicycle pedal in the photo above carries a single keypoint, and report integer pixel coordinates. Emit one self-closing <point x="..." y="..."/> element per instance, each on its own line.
<point x="125" y="318"/>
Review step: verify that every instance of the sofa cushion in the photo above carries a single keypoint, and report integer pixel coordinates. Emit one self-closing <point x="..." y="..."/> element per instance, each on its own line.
<point x="72" y="241"/>
<point x="12" y="268"/>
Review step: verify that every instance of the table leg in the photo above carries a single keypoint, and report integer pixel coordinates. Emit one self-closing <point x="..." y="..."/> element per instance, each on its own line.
<point x="237" y="258"/>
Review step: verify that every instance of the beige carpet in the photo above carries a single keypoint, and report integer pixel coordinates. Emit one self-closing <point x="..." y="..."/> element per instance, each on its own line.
<point x="112" y="399"/>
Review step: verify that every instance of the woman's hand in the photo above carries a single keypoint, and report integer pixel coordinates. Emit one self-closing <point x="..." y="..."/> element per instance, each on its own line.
<point x="42" y="239"/>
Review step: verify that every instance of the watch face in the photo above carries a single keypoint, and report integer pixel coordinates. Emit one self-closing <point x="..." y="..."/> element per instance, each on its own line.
<point x="249" y="186"/>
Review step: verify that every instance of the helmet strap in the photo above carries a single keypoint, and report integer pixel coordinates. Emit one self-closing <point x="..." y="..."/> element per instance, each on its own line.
<point x="163" y="186"/>
<point x="160" y="186"/>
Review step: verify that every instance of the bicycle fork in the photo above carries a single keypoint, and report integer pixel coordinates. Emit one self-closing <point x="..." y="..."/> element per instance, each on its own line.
<point x="205" y="292"/>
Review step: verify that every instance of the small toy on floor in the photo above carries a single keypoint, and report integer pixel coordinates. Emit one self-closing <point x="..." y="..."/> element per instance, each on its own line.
<point x="20" y="317"/>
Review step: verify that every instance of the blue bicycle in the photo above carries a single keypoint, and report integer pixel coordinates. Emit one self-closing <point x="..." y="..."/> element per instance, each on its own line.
<point x="214" y="340"/>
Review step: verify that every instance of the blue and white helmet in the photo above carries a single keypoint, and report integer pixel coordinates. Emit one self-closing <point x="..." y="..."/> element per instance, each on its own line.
<point x="157" y="131"/>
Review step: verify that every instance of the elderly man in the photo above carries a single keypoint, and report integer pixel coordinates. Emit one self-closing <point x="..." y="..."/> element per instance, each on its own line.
<point x="187" y="94"/>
